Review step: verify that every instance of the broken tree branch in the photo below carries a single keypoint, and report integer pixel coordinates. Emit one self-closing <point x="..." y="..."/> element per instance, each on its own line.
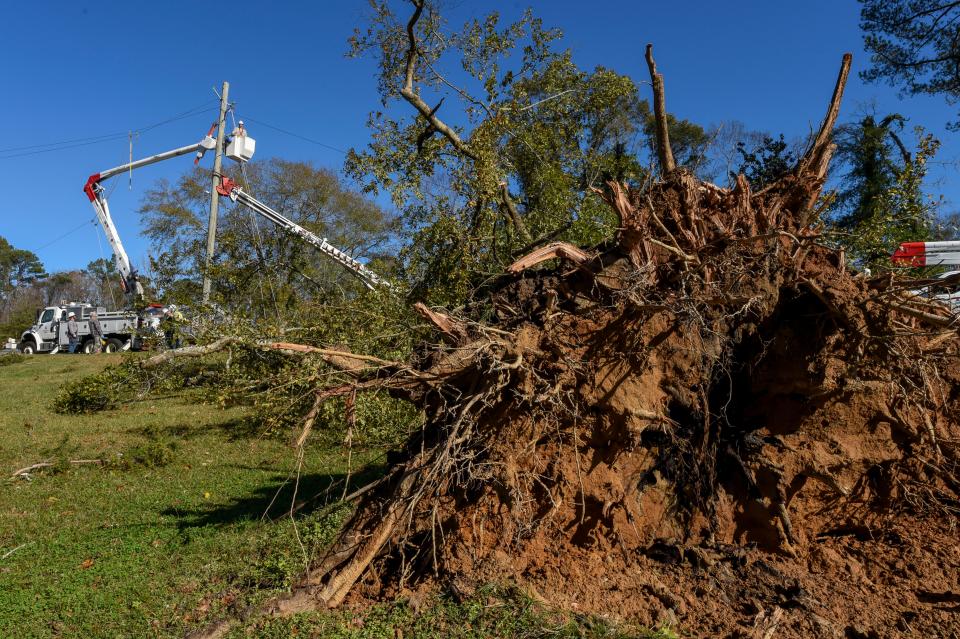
<point x="189" y="351"/>
<point x="309" y="420"/>
<point x="28" y="469"/>
<point x="664" y="152"/>
<point x="818" y="156"/>
<point x="344" y="360"/>
<point x="564" y="250"/>
<point x="454" y="331"/>
<point x="930" y="318"/>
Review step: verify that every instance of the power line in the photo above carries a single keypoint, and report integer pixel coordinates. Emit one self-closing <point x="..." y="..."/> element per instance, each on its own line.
<point x="197" y="110"/>
<point x="296" y="135"/>
<point x="94" y="138"/>
<point x="70" y="232"/>
<point x="78" y="142"/>
<point x="188" y="112"/>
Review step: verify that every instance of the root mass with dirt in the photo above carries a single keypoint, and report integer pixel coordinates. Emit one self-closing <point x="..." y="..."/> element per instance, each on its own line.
<point x="709" y="421"/>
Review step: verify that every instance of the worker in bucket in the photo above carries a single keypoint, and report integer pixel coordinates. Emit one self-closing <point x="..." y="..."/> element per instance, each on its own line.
<point x="73" y="332"/>
<point x="239" y="130"/>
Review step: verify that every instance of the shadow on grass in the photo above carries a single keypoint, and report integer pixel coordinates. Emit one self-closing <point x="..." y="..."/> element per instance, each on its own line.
<point x="234" y="429"/>
<point x="273" y="500"/>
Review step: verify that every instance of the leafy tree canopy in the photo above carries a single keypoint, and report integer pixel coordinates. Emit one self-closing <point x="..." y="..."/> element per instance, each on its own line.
<point x="914" y="44"/>
<point x="766" y="162"/>
<point x="500" y="143"/>
<point x="873" y="154"/>
<point x="18" y="267"/>
<point x="881" y="200"/>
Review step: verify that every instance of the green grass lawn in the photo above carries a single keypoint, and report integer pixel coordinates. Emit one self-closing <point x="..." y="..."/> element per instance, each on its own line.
<point x="186" y="518"/>
<point x="186" y="522"/>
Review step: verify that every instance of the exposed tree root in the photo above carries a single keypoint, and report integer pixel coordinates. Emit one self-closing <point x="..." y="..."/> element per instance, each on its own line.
<point x="656" y="415"/>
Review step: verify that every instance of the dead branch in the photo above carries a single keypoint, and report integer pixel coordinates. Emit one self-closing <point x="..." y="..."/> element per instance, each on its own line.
<point x="13" y="550"/>
<point x="938" y="341"/>
<point x="28" y="469"/>
<point x="189" y="351"/>
<point x="818" y="156"/>
<point x="341" y="583"/>
<point x="454" y="331"/>
<point x="563" y="250"/>
<point x="342" y="359"/>
<point x="930" y="318"/>
<point x="309" y="420"/>
<point x="676" y="251"/>
<point x="664" y="152"/>
<point x="543" y="239"/>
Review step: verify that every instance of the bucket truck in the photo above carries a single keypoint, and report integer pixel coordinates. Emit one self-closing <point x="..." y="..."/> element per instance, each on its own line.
<point x="130" y="281"/>
<point x="48" y="334"/>
<point x="229" y="188"/>
<point x="121" y="328"/>
<point x="934" y="254"/>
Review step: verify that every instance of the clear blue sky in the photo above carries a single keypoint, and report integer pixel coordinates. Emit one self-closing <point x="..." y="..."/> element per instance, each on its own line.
<point x="74" y="70"/>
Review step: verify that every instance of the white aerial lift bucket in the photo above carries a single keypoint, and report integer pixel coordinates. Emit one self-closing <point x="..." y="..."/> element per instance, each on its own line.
<point x="241" y="148"/>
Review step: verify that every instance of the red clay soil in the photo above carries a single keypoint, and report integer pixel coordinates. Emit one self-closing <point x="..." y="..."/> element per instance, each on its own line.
<point x="773" y="449"/>
<point x="613" y="512"/>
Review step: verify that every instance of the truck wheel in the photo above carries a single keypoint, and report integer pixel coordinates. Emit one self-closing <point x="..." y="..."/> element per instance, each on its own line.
<point x="87" y="347"/>
<point x="28" y="347"/>
<point x="113" y="345"/>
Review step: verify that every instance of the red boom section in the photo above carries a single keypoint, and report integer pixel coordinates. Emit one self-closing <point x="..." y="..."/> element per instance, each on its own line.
<point x="910" y="254"/>
<point x="88" y="187"/>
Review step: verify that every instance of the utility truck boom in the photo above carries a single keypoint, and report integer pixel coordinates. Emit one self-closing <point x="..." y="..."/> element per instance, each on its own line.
<point x="230" y="189"/>
<point x="130" y="281"/>
<point x="934" y="254"/>
<point x="927" y="254"/>
<point x="240" y="148"/>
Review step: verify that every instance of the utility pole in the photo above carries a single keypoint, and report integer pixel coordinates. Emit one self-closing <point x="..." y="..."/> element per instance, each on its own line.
<point x="214" y="197"/>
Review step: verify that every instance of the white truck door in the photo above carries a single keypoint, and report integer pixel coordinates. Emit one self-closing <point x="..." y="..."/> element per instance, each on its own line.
<point x="48" y="324"/>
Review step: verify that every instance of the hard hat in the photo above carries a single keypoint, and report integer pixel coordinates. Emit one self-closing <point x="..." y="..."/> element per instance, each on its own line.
<point x="240" y="122"/>
<point x="71" y="315"/>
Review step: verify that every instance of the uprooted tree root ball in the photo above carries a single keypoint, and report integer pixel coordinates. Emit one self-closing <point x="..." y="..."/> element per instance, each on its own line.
<point x="709" y="421"/>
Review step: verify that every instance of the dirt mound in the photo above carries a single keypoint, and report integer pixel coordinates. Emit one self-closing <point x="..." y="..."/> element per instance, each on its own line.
<point x="708" y="422"/>
<point x="712" y="465"/>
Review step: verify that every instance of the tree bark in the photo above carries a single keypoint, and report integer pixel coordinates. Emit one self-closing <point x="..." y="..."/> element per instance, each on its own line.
<point x="664" y="152"/>
<point x="410" y="95"/>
